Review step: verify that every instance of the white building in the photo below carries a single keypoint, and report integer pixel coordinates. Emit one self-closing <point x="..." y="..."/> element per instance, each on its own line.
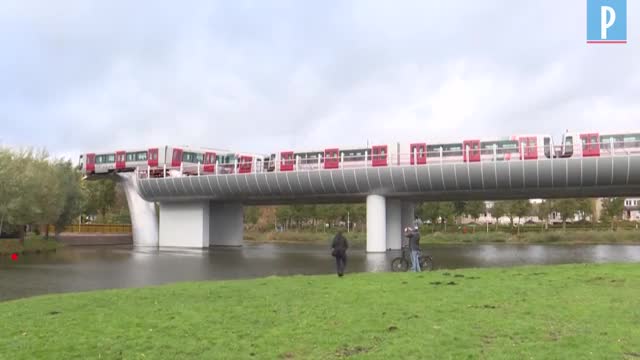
<point x="631" y="209"/>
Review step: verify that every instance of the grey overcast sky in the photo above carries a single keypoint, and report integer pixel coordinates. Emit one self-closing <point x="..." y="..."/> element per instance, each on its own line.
<point x="262" y="76"/>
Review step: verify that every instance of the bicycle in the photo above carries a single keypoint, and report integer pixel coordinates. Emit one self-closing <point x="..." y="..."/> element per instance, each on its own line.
<point x="403" y="262"/>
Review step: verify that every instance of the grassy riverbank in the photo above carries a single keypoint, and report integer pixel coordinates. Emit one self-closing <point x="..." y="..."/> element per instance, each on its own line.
<point x="546" y="237"/>
<point x="32" y="244"/>
<point x="565" y="312"/>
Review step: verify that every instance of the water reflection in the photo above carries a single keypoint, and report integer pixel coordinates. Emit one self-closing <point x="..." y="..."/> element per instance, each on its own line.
<point x="88" y="268"/>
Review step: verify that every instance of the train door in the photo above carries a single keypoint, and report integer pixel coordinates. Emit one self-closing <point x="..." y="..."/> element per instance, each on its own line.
<point x="244" y="164"/>
<point x="91" y="163"/>
<point x="270" y="163"/>
<point x="176" y="157"/>
<point x="121" y="160"/>
<point x="331" y="159"/>
<point x="590" y="144"/>
<point x="528" y="148"/>
<point x="379" y="155"/>
<point x="471" y="150"/>
<point x="286" y="161"/>
<point x="418" y="153"/>
<point x="152" y="157"/>
<point x="209" y="163"/>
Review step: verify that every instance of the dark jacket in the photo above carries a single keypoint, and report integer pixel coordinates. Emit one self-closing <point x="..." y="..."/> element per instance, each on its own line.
<point x="414" y="240"/>
<point x="339" y="244"/>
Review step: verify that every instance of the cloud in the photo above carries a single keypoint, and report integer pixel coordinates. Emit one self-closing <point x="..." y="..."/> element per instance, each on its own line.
<point x="258" y="76"/>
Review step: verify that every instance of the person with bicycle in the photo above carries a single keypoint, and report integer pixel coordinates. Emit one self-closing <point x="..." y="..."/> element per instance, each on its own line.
<point x="414" y="246"/>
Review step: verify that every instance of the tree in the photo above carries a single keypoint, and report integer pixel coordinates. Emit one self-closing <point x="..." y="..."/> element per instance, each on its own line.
<point x="359" y="214"/>
<point x="613" y="208"/>
<point x="447" y="211"/>
<point x="543" y="210"/>
<point x="101" y="196"/>
<point x="567" y="209"/>
<point x="283" y="214"/>
<point x="73" y="197"/>
<point x="585" y="207"/>
<point x="474" y="209"/>
<point x="28" y="209"/>
<point x="11" y="187"/>
<point x="429" y="210"/>
<point x="499" y="210"/>
<point x="508" y="208"/>
<point x="519" y="208"/>
<point x="459" y="208"/>
<point x="251" y="214"/>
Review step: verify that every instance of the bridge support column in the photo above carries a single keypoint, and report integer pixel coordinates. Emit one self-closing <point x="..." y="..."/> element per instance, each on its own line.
<point x="408" y="213"/>
<point x="376" y="223"/>
<point x="394" y="224"/>
<point x="184" y="224"/>
<point x="226" y="224"/>
<point x="144" y="217"/>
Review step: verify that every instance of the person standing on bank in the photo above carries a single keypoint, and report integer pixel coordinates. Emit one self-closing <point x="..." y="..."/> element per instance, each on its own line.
<point x="340" y="246"/>
<point x="414" y="246"/>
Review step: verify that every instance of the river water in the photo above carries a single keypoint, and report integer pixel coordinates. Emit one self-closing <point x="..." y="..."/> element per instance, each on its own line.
<point x="99" y="267"/>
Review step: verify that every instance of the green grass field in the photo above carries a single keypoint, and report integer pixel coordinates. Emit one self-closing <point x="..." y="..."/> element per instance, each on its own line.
<point x="541" y="312"/>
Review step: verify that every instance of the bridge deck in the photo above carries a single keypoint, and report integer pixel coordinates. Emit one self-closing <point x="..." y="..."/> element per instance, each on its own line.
<point x="617" y="175"/>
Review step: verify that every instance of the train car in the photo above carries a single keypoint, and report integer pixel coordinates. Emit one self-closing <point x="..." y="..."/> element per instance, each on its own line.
<point x="329" y="158"/>
<point x="587" y="144"/>
<point x="534" y="146"/>
<point x="189" y="160"/>
<point x="619" y="143"/>
<point x="118" y="161"/>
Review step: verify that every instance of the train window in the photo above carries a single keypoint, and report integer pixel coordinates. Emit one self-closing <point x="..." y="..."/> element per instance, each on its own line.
<point x="226" y="159"/>
<point x="568" y="146"/>
<point x="141" y="156"/>
<point x="111" y="158"/>
<point x="199" y="158"/>
<point x="605" y="142"/>
<point x="547" y="147"/>
<point x="353" y="155"/>
<point x="447" y="150"/>
<point x="486" y="147"/>
<point x="632" y="140"/>
<point x="188" y="156"/>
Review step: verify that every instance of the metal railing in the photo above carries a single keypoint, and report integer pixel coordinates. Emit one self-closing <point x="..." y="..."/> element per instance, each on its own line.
<point x="416" y="158"/>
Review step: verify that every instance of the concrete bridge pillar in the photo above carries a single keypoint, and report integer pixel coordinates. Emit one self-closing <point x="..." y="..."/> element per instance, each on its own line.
<point x="376" y="223"/>
<point x="394" y="224"/>
<point x="185" y="224"/>
<point x="144" y="218"/>
<point x="200" y="224"/>
<point x="408" y="213"/>
<point x="226" y="224"/>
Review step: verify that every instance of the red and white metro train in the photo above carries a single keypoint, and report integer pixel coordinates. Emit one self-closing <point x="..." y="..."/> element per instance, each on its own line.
<point x="517" y="147"/>
<point x="158" y="159"/>
<point x="208" y="161"/>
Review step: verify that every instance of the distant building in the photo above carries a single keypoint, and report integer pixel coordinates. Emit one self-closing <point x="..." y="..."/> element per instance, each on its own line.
<point x="631" y="209"/>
